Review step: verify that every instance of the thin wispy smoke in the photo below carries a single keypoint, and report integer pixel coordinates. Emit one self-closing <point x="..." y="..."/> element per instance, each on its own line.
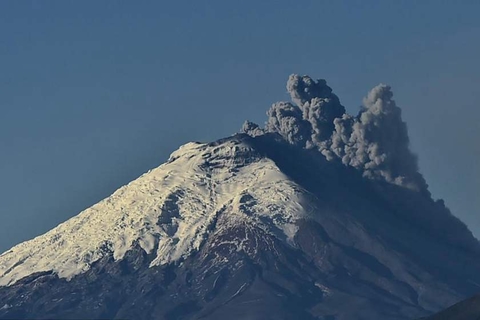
<point x="375" y="141"/>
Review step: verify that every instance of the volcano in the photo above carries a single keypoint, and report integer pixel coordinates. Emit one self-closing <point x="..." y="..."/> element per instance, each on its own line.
<point x="317" y="215"/>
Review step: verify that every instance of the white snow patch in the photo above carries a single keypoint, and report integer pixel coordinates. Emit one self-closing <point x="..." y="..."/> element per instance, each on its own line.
<point x="326" y="291"/>
<point x="5" y="306"/>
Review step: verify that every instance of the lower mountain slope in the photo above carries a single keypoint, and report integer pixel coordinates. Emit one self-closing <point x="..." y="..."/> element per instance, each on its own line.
<point x="247" y="227"/>
<point x="465" y="310"/>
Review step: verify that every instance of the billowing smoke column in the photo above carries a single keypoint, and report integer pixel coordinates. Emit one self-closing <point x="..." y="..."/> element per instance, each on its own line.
<point x="375" y="141"/>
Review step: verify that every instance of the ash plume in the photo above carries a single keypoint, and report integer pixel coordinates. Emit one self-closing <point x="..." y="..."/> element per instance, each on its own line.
<point x="375" y="141"/>
<point x="286" y="119"/>
<point x="318" y="105"/>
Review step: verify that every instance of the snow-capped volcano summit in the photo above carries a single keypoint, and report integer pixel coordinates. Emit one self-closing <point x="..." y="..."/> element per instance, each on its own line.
<point x="168" y="211"/>
<point x="317" y="215"/>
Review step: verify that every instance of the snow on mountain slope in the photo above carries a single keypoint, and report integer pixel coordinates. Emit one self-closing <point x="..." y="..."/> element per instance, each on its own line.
<point x="168" y="209"/>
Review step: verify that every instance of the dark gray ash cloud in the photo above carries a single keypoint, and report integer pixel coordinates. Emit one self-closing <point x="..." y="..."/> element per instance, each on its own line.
<point x="286" y="119"/>
<point x="252" y="129"/>
<point x="318" y="104"/>
<point x="375" y="141"/>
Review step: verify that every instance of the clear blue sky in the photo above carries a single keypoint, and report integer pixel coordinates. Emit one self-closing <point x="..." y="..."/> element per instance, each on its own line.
<point x="94" y="93"/>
